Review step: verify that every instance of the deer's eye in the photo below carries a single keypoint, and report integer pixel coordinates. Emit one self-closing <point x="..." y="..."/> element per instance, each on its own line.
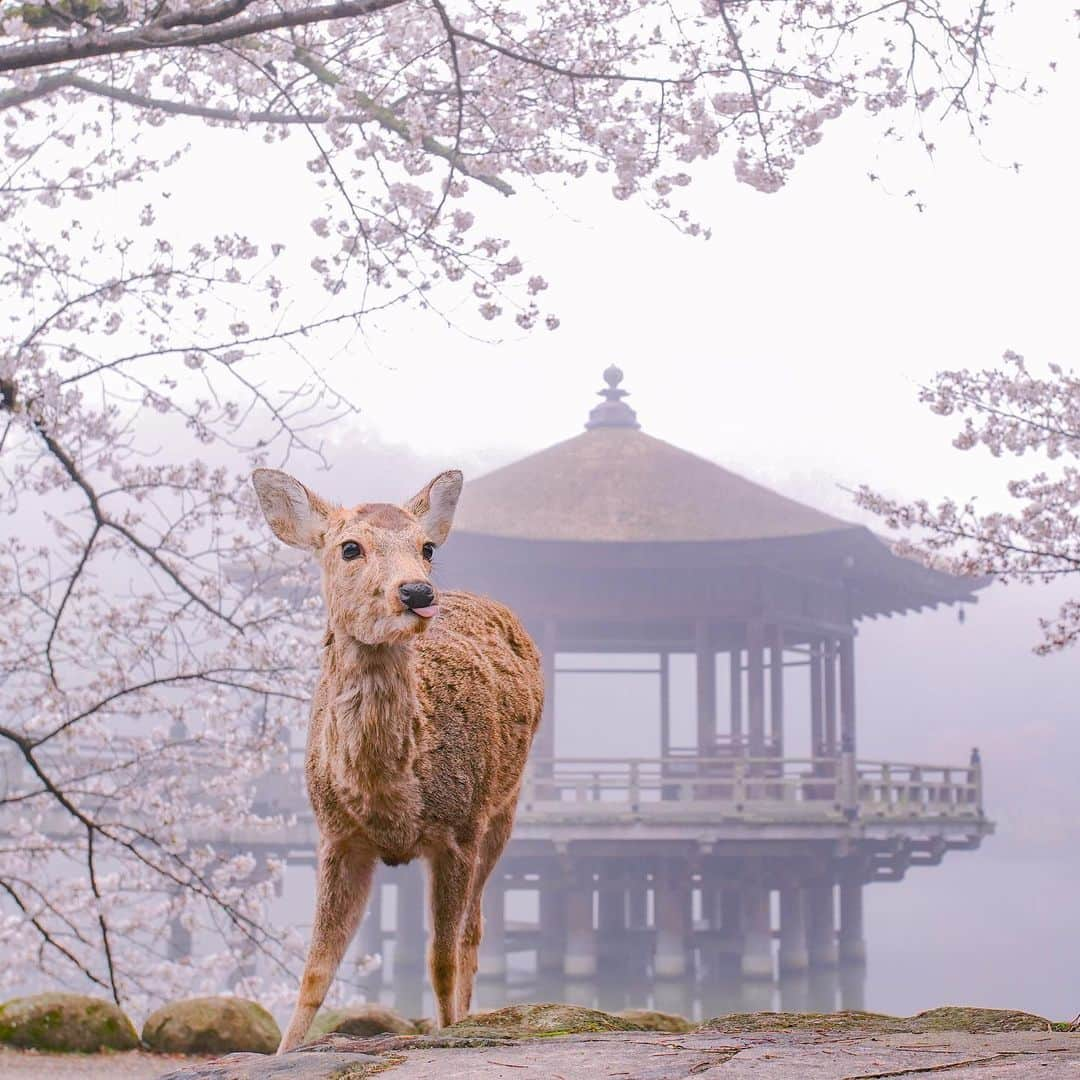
<point x="351" y="550"/>
<point x="428" y="551"/>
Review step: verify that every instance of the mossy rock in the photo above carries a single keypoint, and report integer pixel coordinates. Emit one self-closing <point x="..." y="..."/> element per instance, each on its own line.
<point x="424" y="1025"/>
<point x="211" y="1025"/>
<point x="651" y="1020"/>
<point x="976" y="1021"/>
<point x="68" y="1023"/>
<point x="531" y="1021"/>
<point x="849" y="1020"/>
<point x="367" y="1019"/>
<point x="947" y="1018"/>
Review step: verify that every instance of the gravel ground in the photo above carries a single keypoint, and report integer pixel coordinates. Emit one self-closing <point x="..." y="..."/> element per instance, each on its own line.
<point x="17" y="1064"/>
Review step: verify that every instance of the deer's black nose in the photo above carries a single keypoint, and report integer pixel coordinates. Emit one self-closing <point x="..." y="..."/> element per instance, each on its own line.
<point x="416" y="594"/>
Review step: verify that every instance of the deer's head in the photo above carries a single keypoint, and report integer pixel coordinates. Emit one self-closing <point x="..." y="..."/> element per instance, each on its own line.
<point x="375" y="558"/>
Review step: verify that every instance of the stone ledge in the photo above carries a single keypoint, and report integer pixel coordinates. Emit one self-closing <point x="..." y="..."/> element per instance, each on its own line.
<point x="842" y="1054"/>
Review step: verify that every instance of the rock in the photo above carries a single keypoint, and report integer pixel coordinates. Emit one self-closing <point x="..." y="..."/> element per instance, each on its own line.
<point x="977" y="1021"/>
<point x="66" y="1023"/>
<point x="370" y="1018"/>
<point x="850" y="1020"/>
<point x="946" y="1018"/>
<point x="651" y="1020"/>
<point x="211" y="1025"/>
<point x="523" y="1021"/>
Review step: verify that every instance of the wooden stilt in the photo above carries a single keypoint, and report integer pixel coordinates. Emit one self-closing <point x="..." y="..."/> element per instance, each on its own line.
<point x="821" y="926"/>
<point x="852" y="944"/>
<point x="793" y="955"/>
<point x="757" y="962"/>
<point x="492" y="957"/>
<point x="672" y="900"/>
<point x="579" y="959"/>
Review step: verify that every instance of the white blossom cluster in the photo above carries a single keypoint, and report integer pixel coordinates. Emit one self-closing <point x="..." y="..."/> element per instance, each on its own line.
<point x="1012" y="413"/>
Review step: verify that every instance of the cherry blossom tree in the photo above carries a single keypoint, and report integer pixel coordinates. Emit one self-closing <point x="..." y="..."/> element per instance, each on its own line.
<point x="1010" y="412"/>
<point x="149" y="659"/>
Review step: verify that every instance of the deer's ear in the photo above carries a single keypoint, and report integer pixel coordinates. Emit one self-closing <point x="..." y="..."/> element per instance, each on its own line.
<point x="297" y="516"/>
<point x="434" y="505"/>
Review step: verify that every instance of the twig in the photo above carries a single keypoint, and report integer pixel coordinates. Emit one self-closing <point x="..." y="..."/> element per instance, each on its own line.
<point x="930" y="1068"/>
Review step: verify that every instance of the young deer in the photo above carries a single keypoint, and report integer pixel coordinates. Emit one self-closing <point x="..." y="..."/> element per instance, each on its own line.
<point x="420" y="726"/>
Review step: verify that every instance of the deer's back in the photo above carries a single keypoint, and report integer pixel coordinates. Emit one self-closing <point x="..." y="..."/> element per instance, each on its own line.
<point x="481" y="695"/>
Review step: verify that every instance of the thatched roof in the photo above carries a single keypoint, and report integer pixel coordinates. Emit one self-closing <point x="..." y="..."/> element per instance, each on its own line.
<point x="615" y="483"/>
<point x="619" y="484"/>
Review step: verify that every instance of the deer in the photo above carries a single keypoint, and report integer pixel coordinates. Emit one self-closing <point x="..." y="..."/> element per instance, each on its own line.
<point x="420" y="727"/>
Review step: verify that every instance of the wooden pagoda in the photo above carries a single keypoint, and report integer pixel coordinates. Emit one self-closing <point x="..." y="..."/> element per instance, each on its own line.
<point x="616" y="542"/>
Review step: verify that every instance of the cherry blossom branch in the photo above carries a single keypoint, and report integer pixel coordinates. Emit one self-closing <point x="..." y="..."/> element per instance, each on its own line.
<point x="382" y="114"/>
<point x="1011" y="413"/>
<point x="166" y="33"/>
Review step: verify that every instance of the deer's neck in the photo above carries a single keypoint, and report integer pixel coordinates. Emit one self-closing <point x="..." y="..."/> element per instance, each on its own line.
<point x="374" y="707"/>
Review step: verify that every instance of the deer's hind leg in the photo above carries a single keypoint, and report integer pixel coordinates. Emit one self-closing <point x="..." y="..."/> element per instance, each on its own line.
<point x="450" y="889"/>
<point x="491" y="848"/>
<point x="344" y="879"/>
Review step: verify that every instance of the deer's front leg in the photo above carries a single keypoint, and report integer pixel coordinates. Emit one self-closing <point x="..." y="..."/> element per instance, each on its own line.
<point x="344" y="881"/>
<point x="450" y="890"/>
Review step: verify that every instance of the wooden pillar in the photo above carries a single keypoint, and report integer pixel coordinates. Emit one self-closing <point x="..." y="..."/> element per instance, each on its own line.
<point x="830" y="699"/>
<point x="545" y="736"/>
<point x="610" y="918"/>
<point x="757" y="933"/>
<point x="552" y="903"/>
<point x="579" y="959"/>
<point x="672" y="913"/>
<point x="849" y="779"/>
<point x="820" y="926"/>
<point x="847" y="694"/>
<point x="776" y="690"/>
<point x="492" y="958"/>
<point x="817" y="700"/>
<point x="852" y="946"/>
<point x="637" y="905"/>
<point x="793" y="955"/>
<point x="665" y="706"/>
<point x="540" y="766"/>
<point x="706" y="688"/>
<point x="731" y="925"/>
<point x="755" y="686"/>
<point x="736" y="682"/>
<point x="409" y="944"/>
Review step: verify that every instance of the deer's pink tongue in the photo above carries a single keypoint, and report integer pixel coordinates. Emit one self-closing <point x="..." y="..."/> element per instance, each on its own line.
<point x="426" y="612"/>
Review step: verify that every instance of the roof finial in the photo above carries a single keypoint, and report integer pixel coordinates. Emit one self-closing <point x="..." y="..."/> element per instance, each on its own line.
<point x="612" y="411"/>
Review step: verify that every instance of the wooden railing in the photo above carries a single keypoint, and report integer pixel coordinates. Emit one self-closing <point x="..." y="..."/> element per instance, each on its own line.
<point x="794" y="786"/>
<point x="724" y="785"/>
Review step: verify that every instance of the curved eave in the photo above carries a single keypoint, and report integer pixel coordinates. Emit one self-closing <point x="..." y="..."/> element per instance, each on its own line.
<point x="878" y="582"/>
